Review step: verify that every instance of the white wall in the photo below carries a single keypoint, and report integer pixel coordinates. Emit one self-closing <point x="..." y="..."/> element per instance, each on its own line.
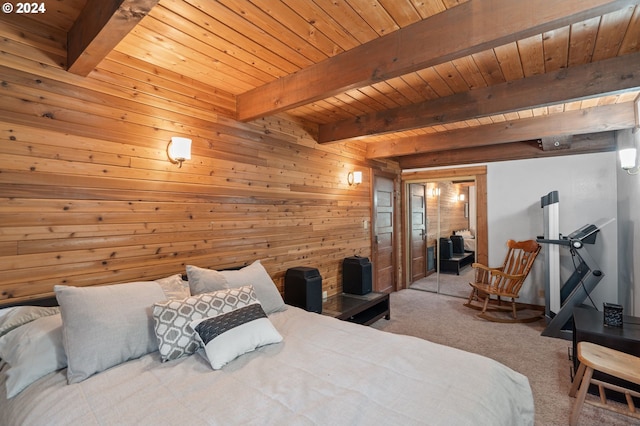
<point x="629" y="241"/>
<point x="587" y="187"/>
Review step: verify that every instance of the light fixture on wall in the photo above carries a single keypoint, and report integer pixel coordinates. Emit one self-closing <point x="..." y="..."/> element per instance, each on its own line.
<point x="179" y="150"/>
<point x="354" y="178"/>
<point x="460" y="197"/>
<point x="627" y="141"/>
<point x="628" y="160"/>
<point x="435" y="192"/>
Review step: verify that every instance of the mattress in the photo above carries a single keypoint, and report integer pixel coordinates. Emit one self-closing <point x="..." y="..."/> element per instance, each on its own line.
<point x="469" y="244"/>
<point x="324" y="372"/>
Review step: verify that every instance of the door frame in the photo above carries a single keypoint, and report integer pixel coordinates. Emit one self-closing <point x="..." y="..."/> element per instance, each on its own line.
<point x="479" y="173"/>
<point x="395" y="286"/>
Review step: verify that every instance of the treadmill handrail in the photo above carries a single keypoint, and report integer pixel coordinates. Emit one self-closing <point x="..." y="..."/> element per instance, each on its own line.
<point x="560" y="242"/>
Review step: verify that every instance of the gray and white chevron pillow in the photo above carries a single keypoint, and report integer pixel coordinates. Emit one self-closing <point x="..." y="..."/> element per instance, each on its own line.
<point x="172" y="318"/>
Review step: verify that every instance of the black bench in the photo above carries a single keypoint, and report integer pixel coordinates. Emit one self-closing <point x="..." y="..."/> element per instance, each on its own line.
<point x="452" y="254"/>
<point x="456" y="262"/>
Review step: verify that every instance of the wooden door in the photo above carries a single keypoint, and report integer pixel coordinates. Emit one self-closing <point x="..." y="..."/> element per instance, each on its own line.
<point x="384" y="236"/>
<point x="418" y="225"/>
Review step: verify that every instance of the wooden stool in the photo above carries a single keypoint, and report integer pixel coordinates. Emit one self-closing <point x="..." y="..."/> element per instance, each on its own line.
<point x="609" y="361"/>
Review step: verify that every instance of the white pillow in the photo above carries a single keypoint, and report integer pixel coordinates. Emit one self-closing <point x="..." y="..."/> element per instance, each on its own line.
<point x="207" y="280"/>
<point x="32" y="351"/>
<point x="464" y="233"/>
<point x="174" y="287"/>
<point x="103" y="326"/>
<point x="228" y="335"/>
<point x="171" y="318"/>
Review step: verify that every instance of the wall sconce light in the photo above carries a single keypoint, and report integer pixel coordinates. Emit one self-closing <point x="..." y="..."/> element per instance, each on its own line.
<point x="627" y="141"/>
<point x="435" y="192"/>
<point x="179" y="150"/>
<point x="460" y="197"/>
<point x="628" y="160"/>
<point x="354" y="178"/>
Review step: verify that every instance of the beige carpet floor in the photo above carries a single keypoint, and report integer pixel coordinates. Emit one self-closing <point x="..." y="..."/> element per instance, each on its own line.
<point x="544" y="360"/>
<point x="447" y="282"/>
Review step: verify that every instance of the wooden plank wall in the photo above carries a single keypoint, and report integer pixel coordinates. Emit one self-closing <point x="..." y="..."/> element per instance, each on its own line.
<point x="451" y="208"/>
<point x="446" y="207"/>
<point x="87" y="195"/>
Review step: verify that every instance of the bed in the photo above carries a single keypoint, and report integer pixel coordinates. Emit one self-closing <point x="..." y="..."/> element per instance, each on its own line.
<point x="469" y="239"/>
<point x="322" y="371"/>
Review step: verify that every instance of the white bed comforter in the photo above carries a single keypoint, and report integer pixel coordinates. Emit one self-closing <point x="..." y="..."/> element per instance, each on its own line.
<point x="325" y="372"/>
<point x="469" y="244"/>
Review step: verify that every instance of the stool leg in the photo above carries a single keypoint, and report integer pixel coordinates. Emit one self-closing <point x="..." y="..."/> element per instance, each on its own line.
<point x="582" y="393"/>
<point x="576" y="380"/>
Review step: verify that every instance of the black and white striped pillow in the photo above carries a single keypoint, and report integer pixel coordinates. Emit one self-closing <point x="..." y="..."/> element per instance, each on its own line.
<point x="228" y="335"/>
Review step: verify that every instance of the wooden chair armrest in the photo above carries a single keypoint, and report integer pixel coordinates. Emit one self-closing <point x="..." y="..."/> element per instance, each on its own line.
<point x="484" y="267"/>
<point x="484" y="274"/>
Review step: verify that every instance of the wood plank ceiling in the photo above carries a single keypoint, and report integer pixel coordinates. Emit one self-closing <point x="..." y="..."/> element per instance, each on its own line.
<point x="430" y="82"/>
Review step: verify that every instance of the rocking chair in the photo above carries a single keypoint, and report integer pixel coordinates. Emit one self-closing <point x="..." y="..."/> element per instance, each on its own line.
<point x="504" y="281"/>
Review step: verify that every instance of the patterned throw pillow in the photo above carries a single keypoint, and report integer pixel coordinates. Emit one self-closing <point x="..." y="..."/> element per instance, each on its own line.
<point x="228" y="335"/>
<point x="172" y="318"/>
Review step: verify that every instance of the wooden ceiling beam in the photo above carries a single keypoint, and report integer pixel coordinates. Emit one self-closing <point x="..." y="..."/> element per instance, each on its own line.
<point x="102" y="24"/>
<point x="609" y="76"/>
<point x="469" y="28"/>
<point x="582" y="144"/>
<point x="591" y="120"/>
<point x="552" y="143"/>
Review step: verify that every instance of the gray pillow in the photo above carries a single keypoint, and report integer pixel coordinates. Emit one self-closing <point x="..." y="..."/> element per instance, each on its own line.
<point x="207" y="280"/>
<point x="103" y="326"/>
<point x="32" y="351"/>
<point x="14" y="317"/>
<point x="203" y="280"/>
